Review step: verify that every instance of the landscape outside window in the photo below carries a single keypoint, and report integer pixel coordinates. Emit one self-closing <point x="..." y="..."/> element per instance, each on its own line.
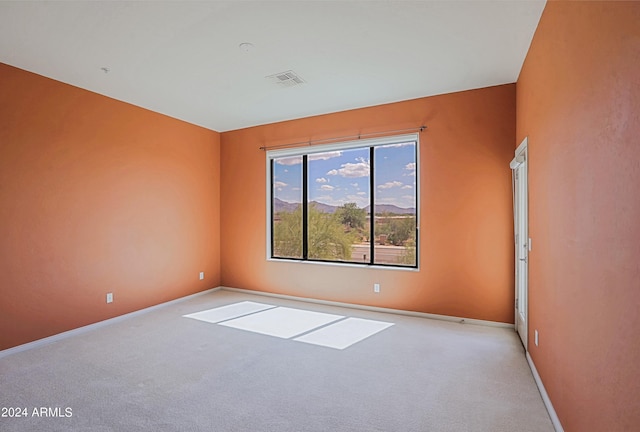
<point x="338" y="197"/>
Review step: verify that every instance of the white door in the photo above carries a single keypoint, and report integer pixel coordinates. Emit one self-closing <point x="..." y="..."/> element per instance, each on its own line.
<point x="522" y="241"/>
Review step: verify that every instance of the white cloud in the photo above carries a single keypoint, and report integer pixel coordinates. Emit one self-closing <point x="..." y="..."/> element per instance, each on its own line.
<point x="359" y="200"/>
<point x="355" y="185"/>
<point x="324" y="156"/>
<point x="321" y="180"/>
<point x="352" y="170"/>
<point x="411" y="167"/>
<point x="327" y="187"/>
<point x="407" y="187"/>
<point x="389" y="185"/>
<point x="279" y="185"/>
<point x="361" y="193"/>
<point x="360" y="169"/>
<point x="291" y="160"/>
<point x="330" y="199"/>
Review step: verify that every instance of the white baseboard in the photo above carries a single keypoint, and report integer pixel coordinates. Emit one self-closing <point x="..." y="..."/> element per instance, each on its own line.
<point x="90" y="327"/>
<point x="545" y="397"/>
<point x="84" y="329"/>
<point x="375" y="308"/>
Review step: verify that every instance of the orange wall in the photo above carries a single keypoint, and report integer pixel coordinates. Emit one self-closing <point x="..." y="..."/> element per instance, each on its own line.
<point x="578" y="101"/>
<point x="466" y="235"/>
<point x="98" y="196"/>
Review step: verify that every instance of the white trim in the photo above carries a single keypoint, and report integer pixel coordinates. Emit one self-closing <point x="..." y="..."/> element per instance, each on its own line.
<point x="345" y="264"/>
<point x="516" y="162"/>
<point x="545" y="397"/>
<point x="267" y="215"/>
<point x="523" y="145"/>
<point x="80" y="330"/>
<point x="519" y="165"/>
<point x="460" y="320"/>
<point x="343" y="145"/>
<point x="84" y="329"/>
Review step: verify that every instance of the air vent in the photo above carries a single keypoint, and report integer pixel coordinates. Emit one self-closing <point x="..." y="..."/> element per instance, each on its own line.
<point x="286" y="79"/>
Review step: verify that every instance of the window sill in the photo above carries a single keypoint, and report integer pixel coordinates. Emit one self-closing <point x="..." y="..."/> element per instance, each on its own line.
<point x="341" y="264"/>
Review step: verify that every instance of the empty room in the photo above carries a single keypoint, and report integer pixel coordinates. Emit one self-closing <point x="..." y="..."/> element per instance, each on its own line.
<point x="320" y="216"/>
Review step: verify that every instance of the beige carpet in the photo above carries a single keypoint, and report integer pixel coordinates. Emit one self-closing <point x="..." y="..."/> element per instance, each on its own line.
<point x="160" y="371"/>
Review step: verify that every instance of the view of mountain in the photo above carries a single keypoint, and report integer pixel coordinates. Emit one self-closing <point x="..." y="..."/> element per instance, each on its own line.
<point x="390" y="208"/>
<point x="280" y="206"/>
<point x="324" y="208"/>
<point x="283" y="206"/>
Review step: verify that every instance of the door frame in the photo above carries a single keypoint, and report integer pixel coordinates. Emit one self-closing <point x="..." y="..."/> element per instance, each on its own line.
<point x="520" y="187"/>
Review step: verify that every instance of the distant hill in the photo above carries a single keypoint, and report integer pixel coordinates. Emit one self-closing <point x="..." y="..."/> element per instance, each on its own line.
<point x="283" y="206"/>
<point x="324" y="208"/>
<point x="280" y="206"/>
<point x="390" y="208"/>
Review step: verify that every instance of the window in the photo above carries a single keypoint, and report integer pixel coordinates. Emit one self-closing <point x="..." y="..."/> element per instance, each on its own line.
<point x="321" y="200"/>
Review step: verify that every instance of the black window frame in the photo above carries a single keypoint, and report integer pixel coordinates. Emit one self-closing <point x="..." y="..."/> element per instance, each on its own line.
<point x="362" y="144"/>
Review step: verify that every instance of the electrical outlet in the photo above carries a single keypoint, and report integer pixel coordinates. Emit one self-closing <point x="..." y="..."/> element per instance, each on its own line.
<point x="109" y="297"/>
<point x="201" y="275"/>
<point x="376" y="288"/>
<point x="535" y="337"/>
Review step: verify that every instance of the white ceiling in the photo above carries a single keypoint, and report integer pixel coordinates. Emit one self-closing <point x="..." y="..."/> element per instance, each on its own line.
<point x="183" y="59"/>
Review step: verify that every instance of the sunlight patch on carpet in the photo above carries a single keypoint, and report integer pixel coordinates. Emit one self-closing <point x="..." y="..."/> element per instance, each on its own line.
<point x="345" y="333"/>
<point x="316" y="328"/>
<point x="282" y="322"/>
<point x="228" y="312"/>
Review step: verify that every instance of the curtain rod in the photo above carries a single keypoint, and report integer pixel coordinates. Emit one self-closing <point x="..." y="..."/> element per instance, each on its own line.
<point x="328" y="140"/>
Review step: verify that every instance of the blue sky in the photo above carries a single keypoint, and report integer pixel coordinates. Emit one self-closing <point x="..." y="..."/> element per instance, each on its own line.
<point x="342" y="176"/>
